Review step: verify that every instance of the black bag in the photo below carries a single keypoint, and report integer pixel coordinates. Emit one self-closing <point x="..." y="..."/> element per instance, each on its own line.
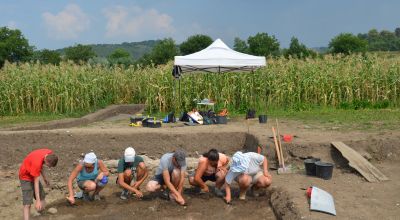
<point x="207" y="121"/>
<point x="184" y="117"/>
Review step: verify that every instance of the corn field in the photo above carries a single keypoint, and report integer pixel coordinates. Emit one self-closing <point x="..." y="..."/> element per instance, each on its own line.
<point x="330" y="81"/>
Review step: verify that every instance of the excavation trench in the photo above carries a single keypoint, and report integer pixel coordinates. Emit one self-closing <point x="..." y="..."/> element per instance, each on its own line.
<point x="69" y="145"/>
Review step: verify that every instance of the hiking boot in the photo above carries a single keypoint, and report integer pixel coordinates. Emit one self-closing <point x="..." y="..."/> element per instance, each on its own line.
<point x="218" y="192"/>
<point x="124" y="194"/>
<point x="86" y="197"/>
<point x="96" y="197"/>
<point x="165" y="194"/>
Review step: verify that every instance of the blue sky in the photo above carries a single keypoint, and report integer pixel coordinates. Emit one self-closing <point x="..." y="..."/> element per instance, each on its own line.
<point x="55" y="24"/>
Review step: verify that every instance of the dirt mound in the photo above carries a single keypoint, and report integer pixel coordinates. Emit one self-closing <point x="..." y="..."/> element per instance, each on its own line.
<point x="102" y="114"/>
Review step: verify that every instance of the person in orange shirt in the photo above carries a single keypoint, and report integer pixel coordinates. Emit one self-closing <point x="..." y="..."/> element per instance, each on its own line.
<point x="212" y="166"/>
<point x="29" y="177"/>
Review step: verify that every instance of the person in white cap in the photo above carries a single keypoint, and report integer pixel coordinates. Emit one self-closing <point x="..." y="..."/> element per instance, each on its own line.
<point x="129" y="167"/>
<point x="91" y="175"/>
<point x="247" y="169"/>
<point x="170" y="173"/>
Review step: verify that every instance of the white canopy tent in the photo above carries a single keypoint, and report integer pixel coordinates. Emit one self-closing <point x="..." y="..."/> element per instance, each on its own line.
<point x="217" y="58"/>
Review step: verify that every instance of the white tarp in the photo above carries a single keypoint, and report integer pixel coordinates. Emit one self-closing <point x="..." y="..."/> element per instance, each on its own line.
<point x="218" y="58"/>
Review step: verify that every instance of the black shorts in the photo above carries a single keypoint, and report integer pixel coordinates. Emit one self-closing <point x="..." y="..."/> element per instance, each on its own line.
<point x="160" y="179"/>
<point x="211" y="178"/>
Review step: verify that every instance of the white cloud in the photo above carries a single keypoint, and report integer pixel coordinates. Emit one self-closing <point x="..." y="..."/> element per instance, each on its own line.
<point x="12" y="25"/>
<point x="136" y="22"/>
<point x="67" y="24"/>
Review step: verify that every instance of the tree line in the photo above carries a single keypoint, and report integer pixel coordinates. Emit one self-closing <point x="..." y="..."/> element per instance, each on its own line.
<point x="14" y="47"/>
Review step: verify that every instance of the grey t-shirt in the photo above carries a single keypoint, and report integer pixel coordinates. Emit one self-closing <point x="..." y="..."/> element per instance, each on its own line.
<point x="166" y="164"/>
<point x="256" y="160"/>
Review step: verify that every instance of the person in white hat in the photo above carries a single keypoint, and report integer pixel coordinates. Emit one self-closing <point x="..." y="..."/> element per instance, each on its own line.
<point x="247" y="169"/>
<point x="91" y="175"/>
<point x="129" y="167"/>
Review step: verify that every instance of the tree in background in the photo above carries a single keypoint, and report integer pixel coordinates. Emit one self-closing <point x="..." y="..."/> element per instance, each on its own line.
<point x="163" y="51"/>
<point x="347" y="43"/>
<point x="382" y="41"/>
<point x="240" y="45"/>
<point x="195" y="43"/>
<point x="298" y="50"/>
<point x="120" y="57"/>
<point x="46" y="56"/>
<point x="14" y="47"/>
<point x="397" y="32"/>
<point x="263" y="45"/>
<point x="79" y="53"/>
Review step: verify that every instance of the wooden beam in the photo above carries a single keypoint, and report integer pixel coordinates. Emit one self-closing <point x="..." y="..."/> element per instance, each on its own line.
<point x="358" y="162"/>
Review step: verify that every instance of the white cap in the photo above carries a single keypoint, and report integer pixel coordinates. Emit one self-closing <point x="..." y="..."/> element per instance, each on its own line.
<point x="129" y="155"/>
<point x="90" y="158"/>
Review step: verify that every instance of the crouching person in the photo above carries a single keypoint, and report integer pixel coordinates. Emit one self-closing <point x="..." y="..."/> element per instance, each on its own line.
<point x="91" y="175"/>
<point x="247" y="169"/>
<point x="170" y="173"/>
<point x="29" y="177"/>
<point x="129" y="167"/>
<point x="212" y="167"/>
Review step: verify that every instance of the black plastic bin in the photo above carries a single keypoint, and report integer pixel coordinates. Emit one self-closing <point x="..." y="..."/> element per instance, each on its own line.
<point x="221" y="120"/>
<point x="310" y="166"/>
<point x="324" y="170"/>
<point x="262" y="119"/>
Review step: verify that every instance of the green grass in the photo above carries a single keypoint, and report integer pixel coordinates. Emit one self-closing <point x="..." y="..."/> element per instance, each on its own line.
<point x="9" y="121"/>
<point x="362" y="119"/>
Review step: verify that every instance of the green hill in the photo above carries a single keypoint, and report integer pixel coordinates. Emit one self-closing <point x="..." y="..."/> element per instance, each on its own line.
<point x="136" y="49"/>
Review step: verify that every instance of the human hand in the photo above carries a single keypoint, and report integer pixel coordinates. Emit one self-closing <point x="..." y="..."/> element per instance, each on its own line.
<point x="46" y="181"/>
<point x="206" y="189"/>
<point x="179" y="199"/>
<point x="71" y="199"/>
<point x="227" y="200"/>
<point x="38" y="205"/>
<point x="138" y="194"/>
<point x="100" y="176"/>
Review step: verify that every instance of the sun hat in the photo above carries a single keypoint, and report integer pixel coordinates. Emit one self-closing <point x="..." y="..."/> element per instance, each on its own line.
<point x="240" y="162"/>
<point x="90" y="158"/>
<point x="180" y="156"/>
<point x="129" y="155"/>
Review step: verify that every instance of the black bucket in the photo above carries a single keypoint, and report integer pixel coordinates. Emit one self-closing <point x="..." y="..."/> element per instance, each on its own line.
<point x="262" y="119"/>
<point x="221" y="119"/>
<point x="324" y="170"/>
<point x="310" y="166"/>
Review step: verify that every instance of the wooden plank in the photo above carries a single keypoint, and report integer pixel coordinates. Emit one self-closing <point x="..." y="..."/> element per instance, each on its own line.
<point x="358" y="162"/>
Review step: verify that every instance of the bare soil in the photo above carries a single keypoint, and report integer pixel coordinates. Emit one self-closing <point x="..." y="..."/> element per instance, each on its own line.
<point x="355" y="198"/>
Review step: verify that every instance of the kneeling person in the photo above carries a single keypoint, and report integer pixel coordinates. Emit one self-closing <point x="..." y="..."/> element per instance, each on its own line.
<point x="130" y="166"/>
<point x="247" y="169"/>
<point x="170" y="173"/>
<point x="212" y="167"/>
<point x="92" y="176"/>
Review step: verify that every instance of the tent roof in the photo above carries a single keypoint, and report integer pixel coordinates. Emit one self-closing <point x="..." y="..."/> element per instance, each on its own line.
<point x="218" y="58"/>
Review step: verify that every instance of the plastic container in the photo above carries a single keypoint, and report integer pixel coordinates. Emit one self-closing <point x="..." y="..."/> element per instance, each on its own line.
<point x="310" y="166"/>
<point x="324" y="170"/>
<point x="137" y="118"/>
<point x="262" y="119"/>
<point x="103" y="181"/>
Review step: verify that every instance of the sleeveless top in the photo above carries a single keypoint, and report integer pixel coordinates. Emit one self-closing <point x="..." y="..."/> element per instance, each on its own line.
<point x="83" y="175"/>
<point x="223" y="161"/>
